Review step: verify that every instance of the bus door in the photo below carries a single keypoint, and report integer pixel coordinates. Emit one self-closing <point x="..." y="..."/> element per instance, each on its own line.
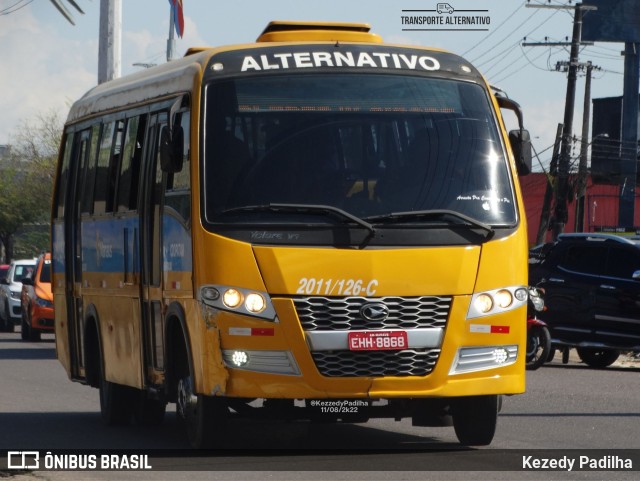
<point x="151" y="254"/>
<point x="73" y="250"/>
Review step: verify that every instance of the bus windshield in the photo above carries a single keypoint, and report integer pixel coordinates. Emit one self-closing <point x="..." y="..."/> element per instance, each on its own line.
<point x="370" y="145"/>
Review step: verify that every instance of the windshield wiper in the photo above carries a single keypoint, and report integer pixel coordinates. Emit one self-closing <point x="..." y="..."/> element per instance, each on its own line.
<point x="418" y="214"/>
<point x="302" y="208"/>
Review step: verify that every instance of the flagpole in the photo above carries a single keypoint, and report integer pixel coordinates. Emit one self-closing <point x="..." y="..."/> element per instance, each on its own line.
<point x="171" y="43"/>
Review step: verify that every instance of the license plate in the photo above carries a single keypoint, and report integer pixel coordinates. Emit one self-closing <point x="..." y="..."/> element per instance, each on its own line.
<point x="378" y="341"/>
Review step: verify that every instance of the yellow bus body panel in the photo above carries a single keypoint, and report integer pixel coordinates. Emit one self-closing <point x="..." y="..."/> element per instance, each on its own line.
<point x="456" y="271"/>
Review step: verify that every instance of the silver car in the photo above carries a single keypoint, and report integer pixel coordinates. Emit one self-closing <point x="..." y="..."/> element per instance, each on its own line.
<point x="10" y="291"/>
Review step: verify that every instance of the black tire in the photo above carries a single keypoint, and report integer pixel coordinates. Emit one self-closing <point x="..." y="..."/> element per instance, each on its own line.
<point x="552" y="353"/>
<point x="203" y="417"/>
<point x="32" y="334"/>
<point x="116" y="401"/>
<point x="598" y="358"/>
<point x="9" y="326"/>
<point x="475" y="419"/>
<point x="148" y="412"/>
<point x="24" y="329"/>
<point x="538" y="347"/>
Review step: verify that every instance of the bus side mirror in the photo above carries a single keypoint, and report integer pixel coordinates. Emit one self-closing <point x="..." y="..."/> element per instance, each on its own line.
<point x="521" y="146"/>
<point x="171" y="149"/>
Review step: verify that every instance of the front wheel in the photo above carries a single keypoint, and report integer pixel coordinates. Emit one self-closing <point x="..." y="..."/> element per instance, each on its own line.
<point x="598" y="358"/>
<point x="538" y="347"/>
<point x="204" y="417"/>
<point x="475" y="419"/>
<point x="148" y="411"/>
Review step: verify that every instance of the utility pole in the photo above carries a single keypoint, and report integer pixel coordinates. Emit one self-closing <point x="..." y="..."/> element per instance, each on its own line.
<point x="629" y="136"/>
<point x="543" y="227"/>
<point x="171" y="42"/>
<point x="109" y="45"/>
<point x="584" y="147"/>
<point x="562" y="182"/>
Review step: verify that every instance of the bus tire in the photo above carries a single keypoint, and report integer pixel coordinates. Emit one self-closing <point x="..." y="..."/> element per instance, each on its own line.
<point x="475" y="419"/>
<point x="115" y="401"/>
<point x="204" y="417"/>
<point x="149" y="412"/>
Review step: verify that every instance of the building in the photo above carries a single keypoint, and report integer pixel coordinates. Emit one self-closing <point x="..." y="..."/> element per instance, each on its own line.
<point x="601" y="206"/>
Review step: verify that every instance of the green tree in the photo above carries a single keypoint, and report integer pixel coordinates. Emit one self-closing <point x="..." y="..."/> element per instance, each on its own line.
<point x="26" y="181"/>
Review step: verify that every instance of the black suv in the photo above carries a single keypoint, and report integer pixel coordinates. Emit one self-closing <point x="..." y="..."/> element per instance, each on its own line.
<point x="592" y="294"/>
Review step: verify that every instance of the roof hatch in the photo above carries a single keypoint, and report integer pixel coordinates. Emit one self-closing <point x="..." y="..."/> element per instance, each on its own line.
<point x="286" y="31"/>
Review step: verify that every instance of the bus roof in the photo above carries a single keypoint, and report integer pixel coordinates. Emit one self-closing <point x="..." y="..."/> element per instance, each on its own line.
<point x="156" y="82"/>
<point x="182" y="75"/>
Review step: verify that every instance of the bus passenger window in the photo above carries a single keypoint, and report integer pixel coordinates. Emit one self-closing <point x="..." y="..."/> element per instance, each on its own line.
<point x="89" y="168"/>
<point x="130" y="165"/>
<point x="63" y="176"/>
<point x="102" y="173"/>
<point x="178" y="188"/>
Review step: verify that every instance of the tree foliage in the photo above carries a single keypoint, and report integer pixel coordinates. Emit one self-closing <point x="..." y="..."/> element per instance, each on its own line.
<point x="26" y="179"/>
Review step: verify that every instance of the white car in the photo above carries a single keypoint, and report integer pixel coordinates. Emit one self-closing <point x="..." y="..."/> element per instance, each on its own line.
<point x="10" y="292"/>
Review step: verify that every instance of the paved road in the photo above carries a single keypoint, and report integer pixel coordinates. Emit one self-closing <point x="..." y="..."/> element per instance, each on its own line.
<point x="566" y="407"/>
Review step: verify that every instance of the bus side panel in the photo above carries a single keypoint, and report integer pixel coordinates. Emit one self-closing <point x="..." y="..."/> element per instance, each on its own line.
<point x="116" y="303"/>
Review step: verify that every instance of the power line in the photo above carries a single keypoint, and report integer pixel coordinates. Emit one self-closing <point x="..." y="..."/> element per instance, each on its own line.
<point x="7" y="10"/>
<point x="494" y="31"/>
<point x="505" y="38"/>
<point x="517" y="42"/>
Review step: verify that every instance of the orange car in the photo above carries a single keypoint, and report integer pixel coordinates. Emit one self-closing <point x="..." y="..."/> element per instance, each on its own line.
<point x="37" y="301"/>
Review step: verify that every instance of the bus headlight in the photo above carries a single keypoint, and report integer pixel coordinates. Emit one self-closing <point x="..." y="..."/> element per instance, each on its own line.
<point x="239" y="300"/>
<point x="503" y="298"/>
<point x="496" y="301"/>
<point x="232" y="298"/>
<point x="255" y="303"/>
<point x="483" y="303"/>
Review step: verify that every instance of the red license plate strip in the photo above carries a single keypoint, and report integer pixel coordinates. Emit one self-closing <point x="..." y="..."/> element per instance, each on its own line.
<point x="378" y="340"/>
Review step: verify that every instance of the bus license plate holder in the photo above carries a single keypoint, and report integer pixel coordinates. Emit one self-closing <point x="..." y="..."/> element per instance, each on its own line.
<point x="378" y="340"/>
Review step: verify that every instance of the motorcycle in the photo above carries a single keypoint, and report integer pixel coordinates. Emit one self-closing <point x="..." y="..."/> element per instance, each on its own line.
<point x="538" y="337"/>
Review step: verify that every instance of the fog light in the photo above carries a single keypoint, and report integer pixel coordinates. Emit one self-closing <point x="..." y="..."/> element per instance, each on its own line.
<point x="255" y="303"/>
<point x="501" y="355"/>
<point x="239" y="358"/>
<point x="232" y="298"/>
<point x="503" y="298"/>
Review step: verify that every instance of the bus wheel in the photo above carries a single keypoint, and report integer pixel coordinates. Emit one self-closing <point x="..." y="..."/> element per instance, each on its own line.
<point x="115" y="402"/>
<point x="148" y="412"/>
<point x="204" y="417"/>
<point x="475" y="419"/>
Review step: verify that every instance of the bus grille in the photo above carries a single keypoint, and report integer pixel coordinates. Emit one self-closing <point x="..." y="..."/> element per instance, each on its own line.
<point x="410" y="362"/>
<point x="343" y="314"/>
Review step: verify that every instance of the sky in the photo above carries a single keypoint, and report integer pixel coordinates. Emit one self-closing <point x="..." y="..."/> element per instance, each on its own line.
<point x="46" y="63"/>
